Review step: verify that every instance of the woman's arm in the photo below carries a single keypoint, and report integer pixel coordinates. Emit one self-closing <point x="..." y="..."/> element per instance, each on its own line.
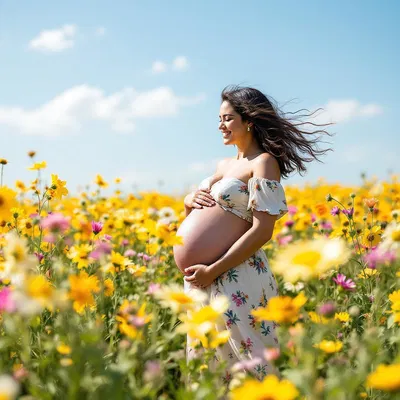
<point x="187" y="201"/>
<point x="245" y="246"/>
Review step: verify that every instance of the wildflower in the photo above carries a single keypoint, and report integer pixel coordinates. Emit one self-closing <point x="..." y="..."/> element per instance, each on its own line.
<point x="96" y="227"/>
<point x="346" y="284"/>
<point x="348" y="211"/>
<point x="372" y="237"/>
<point x="329" y="197"/>
<point x="329" y="346"/>
<point x="371" y="202"/>
<point x="152" y="371"/>
<point x="31" y="154"/>
<point x="327" y="309"/>
<point x="153" y="287"/>
<point x="57" y="188"/>
<point x="342" y="316"/>
<point x="305" y="259"/>
<point x="108" y="287"/>
<point x="55" y="222"/>
<point x="9" y="387"/>
<point x="6" y="302"/>
<point x="100" y="181"/>
<point x="80" y="254"/>
<point x="7" y="201"/>
<point x="385" y="377"/>
<point x="272" y="353"/>
<point x="366" y="273"/>
<point x="379" y="256"/>
<point x="390" y="237"/>
<point x="38" y="166"/>
<point x="281" y="309"/>
<point x="174" y="297"/>
<point x="39" y="290"/>
<point x="317" y="319"/>
<point x="64" y="349"/>
<point x="335" y="211"/>
<point x="117" y="263"/>
<point x="82" y="287"/>
<point x="3" y="161"/>
<point x="283" y="240"/>
<point x="270" y="388"/>
<point x="101" y="248"/>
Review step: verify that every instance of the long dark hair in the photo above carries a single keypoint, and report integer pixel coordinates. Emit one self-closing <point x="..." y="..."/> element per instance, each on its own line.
<point x="274" y="131"/>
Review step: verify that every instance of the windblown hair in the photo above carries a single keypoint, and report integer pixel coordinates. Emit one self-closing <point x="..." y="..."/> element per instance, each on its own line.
<point x="274" y="131"/>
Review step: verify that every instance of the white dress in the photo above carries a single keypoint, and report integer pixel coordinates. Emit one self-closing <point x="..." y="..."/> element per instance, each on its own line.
<point x="250" y="284"/>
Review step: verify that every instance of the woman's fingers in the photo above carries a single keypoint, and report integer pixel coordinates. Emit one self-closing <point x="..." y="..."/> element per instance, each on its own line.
<point x="204" y="199"/>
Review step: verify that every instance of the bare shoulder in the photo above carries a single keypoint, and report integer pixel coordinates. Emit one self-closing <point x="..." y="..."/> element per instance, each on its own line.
<point x="222" y="165"/>
<point x="266" y="166"/>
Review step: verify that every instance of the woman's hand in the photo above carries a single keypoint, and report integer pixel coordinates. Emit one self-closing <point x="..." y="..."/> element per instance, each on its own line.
<point x="201" y="275"/>
<point x="199" y="198"/>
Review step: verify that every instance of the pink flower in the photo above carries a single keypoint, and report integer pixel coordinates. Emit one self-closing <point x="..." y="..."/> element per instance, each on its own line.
<point x="6" y="302"/>
<point x="55" y="222"/>
<point x="107" y="237"/>
<point x="292" y="210"/>
<point x="272" y="353"/>
<point x="348" y="211"/>
<point x="282" y="240"/>
<point x="96" y="227"/>
<point x="125" y="242"/>
<point x="327" y="309"/>
<point x="346" y="284"/>
<point x="39" y="256"/>
<point x="326" y="225"/>
<point x="130" y="253"/>
<point x="378" y="256"/>
<point x="313" y="217"/>
<point x="335" y="210"/>
<point x="289" y="223"/>
<point x="101" y="248"/>
<point x="153" y="288"/>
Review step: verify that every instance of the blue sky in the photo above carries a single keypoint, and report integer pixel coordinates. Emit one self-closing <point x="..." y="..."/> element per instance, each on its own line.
<point x="132" y="88"/>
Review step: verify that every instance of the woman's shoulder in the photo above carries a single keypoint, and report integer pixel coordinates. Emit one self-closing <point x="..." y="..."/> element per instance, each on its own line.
<point x="266" y="165"/>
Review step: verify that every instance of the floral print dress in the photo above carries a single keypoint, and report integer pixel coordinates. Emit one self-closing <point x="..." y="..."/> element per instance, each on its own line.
<point x="250" y="284"/>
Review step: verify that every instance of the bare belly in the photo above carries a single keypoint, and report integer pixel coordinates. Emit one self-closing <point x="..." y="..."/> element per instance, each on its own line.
<point x="207" y="234"/>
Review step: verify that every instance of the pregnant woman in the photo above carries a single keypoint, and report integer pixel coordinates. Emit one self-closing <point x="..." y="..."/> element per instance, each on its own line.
<point x="231" y="216"/>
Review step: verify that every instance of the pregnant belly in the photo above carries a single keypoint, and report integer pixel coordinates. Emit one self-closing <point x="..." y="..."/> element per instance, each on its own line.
<point x="207" y="234"/>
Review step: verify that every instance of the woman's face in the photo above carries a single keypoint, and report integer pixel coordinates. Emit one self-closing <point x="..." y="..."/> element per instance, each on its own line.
<point x="231" y="125"/>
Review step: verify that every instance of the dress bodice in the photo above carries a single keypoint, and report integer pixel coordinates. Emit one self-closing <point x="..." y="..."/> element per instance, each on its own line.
<point x="241" y="199"/>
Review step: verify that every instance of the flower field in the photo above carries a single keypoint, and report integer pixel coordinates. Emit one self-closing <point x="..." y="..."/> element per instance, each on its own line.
<point x="92" y="304"/>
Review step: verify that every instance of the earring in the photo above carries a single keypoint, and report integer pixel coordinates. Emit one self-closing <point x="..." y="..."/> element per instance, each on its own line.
<point x="248" y="128"/>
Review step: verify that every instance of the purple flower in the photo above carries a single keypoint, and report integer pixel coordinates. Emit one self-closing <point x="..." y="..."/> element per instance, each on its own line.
<point x="96" y="227"/>
<point x="327" y="309"/>
<point x="6" y="302"/>
<point x="125" y="242"/>
<point x="346" y="284"/>
<point x="107" y="237"/>
<point x="379" y="256"/>
<point x="326" y="225"/>
<point x="348" y="211"/>
<point x="130" y="253"/>
<point x="335" y="210"/>
<point x="289" y="223"/>
<point x="101" y="248"/>
<point x="39" y="256"/>
<point x="55" y="222"/>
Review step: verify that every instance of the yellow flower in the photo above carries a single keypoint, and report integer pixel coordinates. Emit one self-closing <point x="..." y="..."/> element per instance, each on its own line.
<point x="37" y="166"/>
<point x="57" y="188"/>
<point x="281" y="309"/>
<point x="20" y="185"/>
<point x="174" y="297"/>
<point x="318" y="319"/>
<point x="329" y="346"/>
<point x="367" y="272"/>
<point x="117" y="263"/>
<point x="372" y="237"/>
<point x="310" y="258"/>
<point x="108" y="287"/>
<point x="40" y="289"/>
<point x="66" y="362"/>
<point x="100" y="181"/>
<point x="117" y="180"/>
<point x="64" y="349"/>
<point x="385" y="377"/>
<point x="342" y="316"/>
<point x="268" y="389"/>
<point x="3" y="161"/>
<point x="80" y="255"/>
<point x="7" y="201"/>
<point x="81" y="291"/>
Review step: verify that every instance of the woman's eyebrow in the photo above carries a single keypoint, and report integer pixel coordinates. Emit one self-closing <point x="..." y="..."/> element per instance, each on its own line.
<point x="226" y="115"/>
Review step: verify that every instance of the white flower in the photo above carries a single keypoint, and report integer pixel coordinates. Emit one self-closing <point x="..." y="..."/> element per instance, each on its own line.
<point x="166" y="215"/>
<point x="391" y="238"/>
<point x="9" y="387"/>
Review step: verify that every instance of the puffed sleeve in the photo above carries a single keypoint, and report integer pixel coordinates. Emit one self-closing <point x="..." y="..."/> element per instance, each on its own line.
<point x="267" y="195"/>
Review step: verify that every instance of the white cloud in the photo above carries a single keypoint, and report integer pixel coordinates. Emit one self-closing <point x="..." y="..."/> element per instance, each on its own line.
<point x="68" y="111"/>
<point x="54" y="40"/>
<point x="100" y="31"/>
<point x="158" y="67"/>
<point x="180" y="63"/>
<point x="337" y="111"/>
